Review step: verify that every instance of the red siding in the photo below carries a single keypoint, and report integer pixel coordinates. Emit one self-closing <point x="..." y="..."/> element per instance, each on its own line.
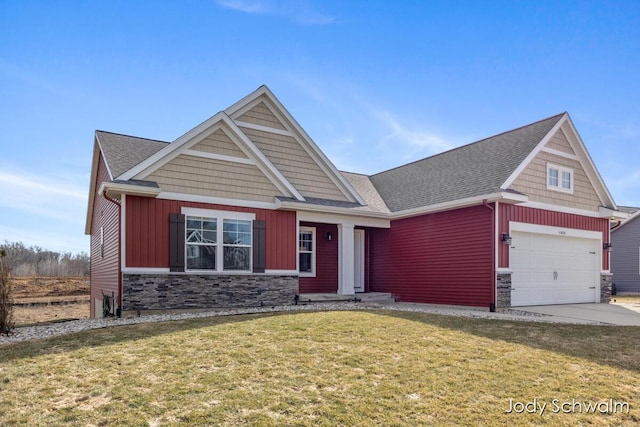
<point x="105" y="273"/>
<point x="442" y="258"/>
<point x="147" y="232"/>
<point x="554" y="219"/>
<point x="326" y="279"/>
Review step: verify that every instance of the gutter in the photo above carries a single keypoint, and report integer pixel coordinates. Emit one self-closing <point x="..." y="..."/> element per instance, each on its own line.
<point x="119" y="243"/>
<point x="492" y="305"/>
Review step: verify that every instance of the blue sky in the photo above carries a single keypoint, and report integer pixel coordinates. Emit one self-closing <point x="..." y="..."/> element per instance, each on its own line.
<point x="375" y="84"/>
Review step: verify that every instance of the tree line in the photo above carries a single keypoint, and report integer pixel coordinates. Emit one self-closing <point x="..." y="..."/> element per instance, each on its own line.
<point x="32" y="261"/>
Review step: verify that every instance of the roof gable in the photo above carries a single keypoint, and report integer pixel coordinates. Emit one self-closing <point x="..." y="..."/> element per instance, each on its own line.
<point x="263" y="103"/>
<point x="183" y="145"/>
<point x="576" y="150"/>
<point x="468" y="171"/>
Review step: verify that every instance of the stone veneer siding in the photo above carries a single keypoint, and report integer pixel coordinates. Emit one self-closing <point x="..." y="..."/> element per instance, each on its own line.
<point x="503" y="296"/>
<point x="187" y="291"/>
<point x="605" y="287"/>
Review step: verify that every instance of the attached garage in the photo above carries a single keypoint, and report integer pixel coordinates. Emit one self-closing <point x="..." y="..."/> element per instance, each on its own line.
<point x="553" y="265"/>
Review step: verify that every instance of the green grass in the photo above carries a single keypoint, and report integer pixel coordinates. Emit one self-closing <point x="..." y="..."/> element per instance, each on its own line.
<point x="375" y="368"/>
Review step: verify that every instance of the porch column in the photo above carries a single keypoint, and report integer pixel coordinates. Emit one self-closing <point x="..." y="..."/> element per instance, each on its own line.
<point x="345" y="259"/>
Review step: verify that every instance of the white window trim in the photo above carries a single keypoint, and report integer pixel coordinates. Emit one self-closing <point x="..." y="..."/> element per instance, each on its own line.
<point x="560" y="170"/>
<point x="219" y="216"/>
<point x="311" y="230"/>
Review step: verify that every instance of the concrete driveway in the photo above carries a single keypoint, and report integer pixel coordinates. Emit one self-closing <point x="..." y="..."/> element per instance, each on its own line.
<point x="612" y="314"/>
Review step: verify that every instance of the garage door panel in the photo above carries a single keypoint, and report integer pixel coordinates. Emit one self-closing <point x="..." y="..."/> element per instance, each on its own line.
<point x="549" y="269"/>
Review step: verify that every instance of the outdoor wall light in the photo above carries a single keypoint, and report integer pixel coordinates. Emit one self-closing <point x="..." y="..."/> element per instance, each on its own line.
<point x="328" y="236"/>
<point x="608" y="246"/>
<point x="506" y="239"/>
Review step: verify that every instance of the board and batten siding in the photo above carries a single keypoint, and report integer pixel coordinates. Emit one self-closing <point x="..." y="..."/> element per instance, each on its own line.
<point x="508" y="213"/>
<point x="440" y="258"/>
<point x="105" y="273"/>
<point x="293" y="161"/>
<point x="326" y="278"/>
<point x="625" y="258"/>
<point x="533" y="180"/>
<point x="147" y="232"/>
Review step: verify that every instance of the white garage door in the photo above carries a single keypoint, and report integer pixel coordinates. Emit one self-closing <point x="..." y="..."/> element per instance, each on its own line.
<point x="550" y="269"/>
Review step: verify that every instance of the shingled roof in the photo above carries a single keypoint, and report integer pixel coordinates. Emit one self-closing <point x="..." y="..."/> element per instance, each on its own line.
<point x="122" y="152"/>
<point x="472" y="170"/>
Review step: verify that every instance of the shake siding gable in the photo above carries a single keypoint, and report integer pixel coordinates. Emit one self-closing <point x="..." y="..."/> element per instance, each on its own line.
<point x="219" y="143"/>
<point x="533" y="182"/>
<point x="262" y="115"/>
<point x="441" y="258"/>
<point x="215" y="178"/>
<point x="560" y="142"/>
<point x="293" y="161"/>
<point x="104" y="261"/>
<point x="147" y="232"/>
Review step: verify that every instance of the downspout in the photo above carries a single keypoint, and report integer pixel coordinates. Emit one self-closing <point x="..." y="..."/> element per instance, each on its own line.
<point x="115" y="202"/>
<point x="492" y="305"/>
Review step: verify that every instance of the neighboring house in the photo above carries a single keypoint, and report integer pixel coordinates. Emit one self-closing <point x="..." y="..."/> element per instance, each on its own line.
<point x="625" y="254"/>
<point x="245" y="209"/>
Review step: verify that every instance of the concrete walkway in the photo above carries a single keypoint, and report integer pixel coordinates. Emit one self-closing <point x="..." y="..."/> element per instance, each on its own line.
<point x="622" y="314"/>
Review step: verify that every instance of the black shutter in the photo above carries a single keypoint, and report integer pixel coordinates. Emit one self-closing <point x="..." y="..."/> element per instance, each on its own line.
<point x="259" y="246"/>
<point x="176" y="242"/>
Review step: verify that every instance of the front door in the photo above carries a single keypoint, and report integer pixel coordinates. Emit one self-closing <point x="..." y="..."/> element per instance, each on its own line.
<point x="358" y="259"/>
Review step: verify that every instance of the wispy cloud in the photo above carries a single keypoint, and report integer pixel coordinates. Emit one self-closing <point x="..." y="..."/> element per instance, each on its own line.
<point x="298" y="11"/>
<point x="52" y="197"/>
<point x="417" y="141"/>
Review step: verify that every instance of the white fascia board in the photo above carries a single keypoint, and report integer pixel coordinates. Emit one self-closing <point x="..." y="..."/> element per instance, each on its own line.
<point x="592" y="172"/>
<point x="318" y="155"/>
<point x="504" y="197"/>
<point x="630" y="219"/>
<point x="264" y="164"/>
<point x="613" y="214"/>
<point x="92" y="186"/>
<point x="342" y="218"/>
<point x="133" y="190"/>
<point x="169" y="152"/>
<point x="534" y="153"/>
<point x="563" y="209"/>
<point x="167" y="195"/>
<point x="309" y="146"/>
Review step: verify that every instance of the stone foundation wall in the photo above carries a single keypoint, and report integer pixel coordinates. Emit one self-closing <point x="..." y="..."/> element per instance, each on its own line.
<point x="503" y="292"/>
<point x="187" y="291"/>
<point x="605" y="287"/>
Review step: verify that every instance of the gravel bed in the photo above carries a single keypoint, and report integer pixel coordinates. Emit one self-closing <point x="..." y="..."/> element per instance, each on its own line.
<point x="27" y="333"/>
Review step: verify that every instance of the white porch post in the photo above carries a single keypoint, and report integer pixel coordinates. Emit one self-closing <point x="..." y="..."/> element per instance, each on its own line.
<point x="345" y="259"/>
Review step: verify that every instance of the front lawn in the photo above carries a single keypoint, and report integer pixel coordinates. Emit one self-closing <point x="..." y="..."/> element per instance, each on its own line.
<point x="377" y="368"/>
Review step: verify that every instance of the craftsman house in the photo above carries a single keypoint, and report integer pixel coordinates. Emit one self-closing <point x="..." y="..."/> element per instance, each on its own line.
<point x="245" y="210"/>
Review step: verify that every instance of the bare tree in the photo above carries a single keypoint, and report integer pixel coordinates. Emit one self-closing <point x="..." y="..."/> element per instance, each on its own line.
<point x="6" y="306"/>
<point x="32" y="261"/>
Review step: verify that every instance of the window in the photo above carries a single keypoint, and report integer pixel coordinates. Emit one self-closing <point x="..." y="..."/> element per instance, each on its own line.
<point x="559" y="178"/>
<point x="237" y="245"/>
<point x="218" y="241"/>
<point x="201" y="239"/>
<point x="307" y="251"/>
